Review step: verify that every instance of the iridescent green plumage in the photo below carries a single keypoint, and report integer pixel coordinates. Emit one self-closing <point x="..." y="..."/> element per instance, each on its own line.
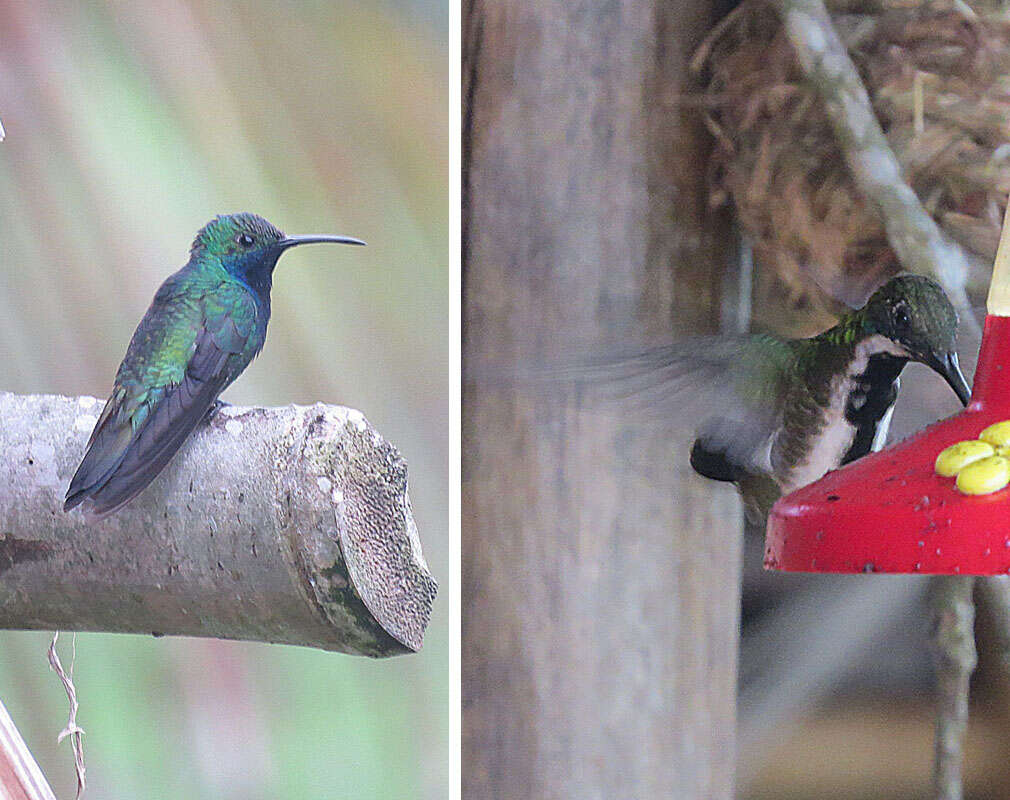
<point x="204" y="326"/>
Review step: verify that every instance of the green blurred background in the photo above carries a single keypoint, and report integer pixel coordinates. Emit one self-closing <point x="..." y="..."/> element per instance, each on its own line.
<point x="129" y="125"/>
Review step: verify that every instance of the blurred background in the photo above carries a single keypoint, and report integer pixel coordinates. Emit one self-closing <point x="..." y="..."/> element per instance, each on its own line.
<point x="836" y="684"/>
<point x="664" y="170"/>
<point x="129" y="125"/>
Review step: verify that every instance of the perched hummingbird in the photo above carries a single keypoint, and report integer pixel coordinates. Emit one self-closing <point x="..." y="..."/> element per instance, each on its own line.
<point x="777" y="414"/>
<point x="204" y="326"/>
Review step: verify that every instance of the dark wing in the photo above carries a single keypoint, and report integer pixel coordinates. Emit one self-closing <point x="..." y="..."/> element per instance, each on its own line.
<point x="728" y="390"/>
<point x="143" y="426"/>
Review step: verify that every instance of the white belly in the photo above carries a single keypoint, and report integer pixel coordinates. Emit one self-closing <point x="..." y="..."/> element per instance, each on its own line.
<point x="837" y="433"/>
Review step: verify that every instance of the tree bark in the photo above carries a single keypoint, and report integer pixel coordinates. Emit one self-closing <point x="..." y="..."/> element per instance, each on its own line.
<point x="284" y="525"/>
<point x="600" y="576"/>
<point x="954" y="657"/>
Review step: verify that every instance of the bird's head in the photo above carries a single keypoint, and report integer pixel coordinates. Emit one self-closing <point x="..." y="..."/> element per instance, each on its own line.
<point x="915" y="315"/>
<point x="248" y="246"/>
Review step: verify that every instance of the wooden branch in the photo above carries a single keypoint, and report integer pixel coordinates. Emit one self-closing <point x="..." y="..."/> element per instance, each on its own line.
<point x="996" y="594"/>
<point x="911" y="231"/>
<point x="955" y="658"/>
<point x="288" y="525"/>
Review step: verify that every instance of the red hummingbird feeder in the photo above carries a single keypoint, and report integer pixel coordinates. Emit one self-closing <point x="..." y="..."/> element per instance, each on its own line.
<point x="891" y="511"/>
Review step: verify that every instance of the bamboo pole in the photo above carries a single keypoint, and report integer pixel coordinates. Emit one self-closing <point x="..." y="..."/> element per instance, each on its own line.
<point x="20" y="776"/>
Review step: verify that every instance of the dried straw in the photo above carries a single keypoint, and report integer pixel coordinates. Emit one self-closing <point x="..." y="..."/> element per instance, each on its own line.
<point x="938" y="75"/>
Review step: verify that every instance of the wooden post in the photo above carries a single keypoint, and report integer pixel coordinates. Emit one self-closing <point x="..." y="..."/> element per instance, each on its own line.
<point x="600" y="576"/>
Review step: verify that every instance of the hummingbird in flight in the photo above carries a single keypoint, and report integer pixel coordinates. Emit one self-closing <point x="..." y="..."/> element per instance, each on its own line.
<point x="776" y="414"/>
<point x="206" y="323"/>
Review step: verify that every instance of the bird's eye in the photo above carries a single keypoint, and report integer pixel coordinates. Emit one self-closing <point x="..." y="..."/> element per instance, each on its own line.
<point x="245" y="240"/>
<point x="901" y="319"/>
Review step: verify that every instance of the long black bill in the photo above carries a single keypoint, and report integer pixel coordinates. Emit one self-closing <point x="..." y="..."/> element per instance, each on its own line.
<point x="949" y="368"/>
<point x="292" y="241"/>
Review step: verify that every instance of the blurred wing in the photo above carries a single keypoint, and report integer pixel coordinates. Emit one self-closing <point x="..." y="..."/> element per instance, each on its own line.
<point x="729" y="390"/>
<point x="145" y="422"/>
<point x="849" y="290"/>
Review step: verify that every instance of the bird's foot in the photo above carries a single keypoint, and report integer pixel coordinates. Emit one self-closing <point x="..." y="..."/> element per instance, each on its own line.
<point x="218" y="405"/>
